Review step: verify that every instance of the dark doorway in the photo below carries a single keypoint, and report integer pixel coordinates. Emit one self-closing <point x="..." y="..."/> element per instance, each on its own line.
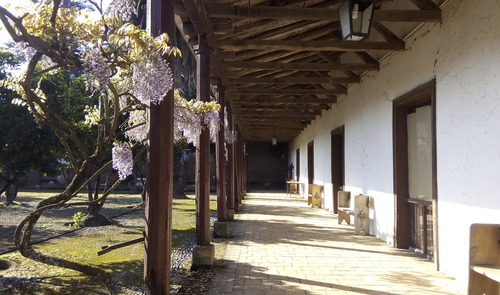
<point x="310" y="162"/>
<point x="297" y="160"/>
<point x="415" y="183"/>
<point x="337" y="165"/>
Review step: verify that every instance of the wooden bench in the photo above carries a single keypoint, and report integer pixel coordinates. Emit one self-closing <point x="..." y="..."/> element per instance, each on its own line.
<point x="360" y="212"/>
<point x="484" y="259"/>
<point x="314" y="195"/>
<point x="293" y="187"/>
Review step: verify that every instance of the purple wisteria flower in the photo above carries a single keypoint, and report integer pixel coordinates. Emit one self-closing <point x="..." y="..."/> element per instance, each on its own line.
<point x="139" y="132"/>
<point x="123" y="8"/>
<point x="122" y="159"/>
<point x="97" y="73"/>
<point x="23" y="49"/>
<point x="152" y="80"/>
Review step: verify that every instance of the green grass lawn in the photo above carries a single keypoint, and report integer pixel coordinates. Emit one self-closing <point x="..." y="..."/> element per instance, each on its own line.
<point x="125" y="264"/>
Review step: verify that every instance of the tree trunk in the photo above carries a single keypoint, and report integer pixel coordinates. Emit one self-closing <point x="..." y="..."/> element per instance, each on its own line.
<point x="22" y="236"/>
<point x="95" y="218"/>
<point x="10" y="188"/>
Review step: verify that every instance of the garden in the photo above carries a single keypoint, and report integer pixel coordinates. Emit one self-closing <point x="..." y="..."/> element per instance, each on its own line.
<point x="56" y="233"/>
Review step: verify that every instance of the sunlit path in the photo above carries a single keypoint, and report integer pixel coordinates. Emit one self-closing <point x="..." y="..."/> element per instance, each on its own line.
<point x="282" y="246"/>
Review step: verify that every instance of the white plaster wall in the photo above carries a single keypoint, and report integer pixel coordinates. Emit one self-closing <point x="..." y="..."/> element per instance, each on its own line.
<point x="463" y="54"/>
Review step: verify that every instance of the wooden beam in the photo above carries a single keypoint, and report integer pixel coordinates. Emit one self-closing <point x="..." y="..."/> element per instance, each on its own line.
<point x="300" y="13"/>
<point x="366" y="58"/>
<point x="425" y="4"/>
<point x="294" y="92"/>
<point x="310" y="45"/>
<point x="387" y="34"/>
<point x="278" y="112"/>
<point x="258" y="107"/>
<point x="227" y="55"/>
<point x="333" y="60"/>
<point x="272" y="117"/>
<point x="418" y="16"/>
<point x="298" y="80"/>
<point x="302" y="66"/>
<point x="296" y="100"/>
<point x="270" y="126"/>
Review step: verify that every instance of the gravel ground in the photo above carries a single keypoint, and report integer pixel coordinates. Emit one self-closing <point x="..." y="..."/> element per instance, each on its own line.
<point x="51" y="225"/>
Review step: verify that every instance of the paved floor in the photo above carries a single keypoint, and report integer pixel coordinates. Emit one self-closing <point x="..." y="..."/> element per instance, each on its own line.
<point x="283" y="247"/>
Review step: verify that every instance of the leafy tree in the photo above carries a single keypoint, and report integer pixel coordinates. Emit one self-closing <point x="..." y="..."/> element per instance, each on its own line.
<point x="24" y="145"/>
<point x="125" y="68"/>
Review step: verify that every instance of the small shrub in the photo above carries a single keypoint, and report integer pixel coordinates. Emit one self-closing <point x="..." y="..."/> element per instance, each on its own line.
<point x="78" y="219"/>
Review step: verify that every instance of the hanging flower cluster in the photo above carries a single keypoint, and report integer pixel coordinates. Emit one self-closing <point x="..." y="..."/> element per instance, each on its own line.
<point x="122" y="159"/>
<point x="229" y="135"/>
<point x="190" y="117"/>
<point x="122" y="8"/>
<point x="152" y="79"/>
<point x="97" y="73"/>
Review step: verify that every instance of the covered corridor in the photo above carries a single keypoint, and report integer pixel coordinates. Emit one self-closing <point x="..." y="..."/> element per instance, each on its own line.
<point x="282" y="246"/>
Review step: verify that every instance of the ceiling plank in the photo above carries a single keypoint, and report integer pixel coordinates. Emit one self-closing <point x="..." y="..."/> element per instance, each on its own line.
<point x="299" y="80"/>
<point x="279" y="112"/>
<point x="387" y="34"/>
<point x="273" y="12"/>
<point x="246" y="91"/>
<point x="302" y="66"/>
<point x="333" y="60"/>
<point x="294" y="45"/>
<point x="367" y="58"/>
<point x="277" y="100"/>
<point x="425" y="4"/>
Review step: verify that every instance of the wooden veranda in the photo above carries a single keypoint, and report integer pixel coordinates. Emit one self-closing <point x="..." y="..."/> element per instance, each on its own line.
<point x="275" y="66"/>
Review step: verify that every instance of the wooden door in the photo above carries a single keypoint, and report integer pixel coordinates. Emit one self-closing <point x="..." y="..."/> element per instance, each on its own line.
<point x="337" y="165"/>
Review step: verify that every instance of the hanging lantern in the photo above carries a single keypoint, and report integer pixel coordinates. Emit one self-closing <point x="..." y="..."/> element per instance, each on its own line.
<point x="355" y="19"/>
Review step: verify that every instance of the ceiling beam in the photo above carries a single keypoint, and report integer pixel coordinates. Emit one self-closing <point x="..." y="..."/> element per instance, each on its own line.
<point x="294" y="92"/>
<point x="387" y="34"/>
<point x="302" y="66"/>
<point x="298" y="80"/>
<point x="425" y="4"/>
<point x="277" y="100"/>
<point x="278" y="117"/>
<point x="300" y="13"/>
<point x="334" y="45"/>
<point x="278" y="112"/>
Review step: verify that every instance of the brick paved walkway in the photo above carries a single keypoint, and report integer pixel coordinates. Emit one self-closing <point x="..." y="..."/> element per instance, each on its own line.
<point x="283" y="247"/>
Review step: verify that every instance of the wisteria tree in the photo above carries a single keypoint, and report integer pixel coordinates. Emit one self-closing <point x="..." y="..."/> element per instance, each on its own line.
<point x="125" y="66"/>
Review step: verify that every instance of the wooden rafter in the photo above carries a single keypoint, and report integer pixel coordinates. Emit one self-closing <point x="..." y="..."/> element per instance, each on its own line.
<point x="299" y="80"/>
<point x="294" y="92"/>
<point x="271" y="12"/>
<point x="310" y="45"/>
<point x="277" y="57"/>
<point x="297" y="100"/>
<point x="302" y="66"/>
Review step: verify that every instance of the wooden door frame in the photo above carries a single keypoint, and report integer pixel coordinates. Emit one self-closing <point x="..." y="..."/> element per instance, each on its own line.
<point x="400" y="150"/>
<point x="310" y="164"/>
<point x="339" y="132"/>
<point x="297" y="163"/>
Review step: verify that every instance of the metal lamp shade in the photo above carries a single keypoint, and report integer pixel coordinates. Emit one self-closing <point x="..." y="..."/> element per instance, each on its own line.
<point x="356" y="29"/>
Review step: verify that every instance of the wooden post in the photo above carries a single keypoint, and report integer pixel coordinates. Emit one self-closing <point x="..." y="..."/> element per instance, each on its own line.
<point x="237" y="171"/>
<point x="221" y="157"/>
<point x="159" y="186"/>
<point x="245" y="168"/>
<point x="230" y="165"/>
<point x="203" y="51"/>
